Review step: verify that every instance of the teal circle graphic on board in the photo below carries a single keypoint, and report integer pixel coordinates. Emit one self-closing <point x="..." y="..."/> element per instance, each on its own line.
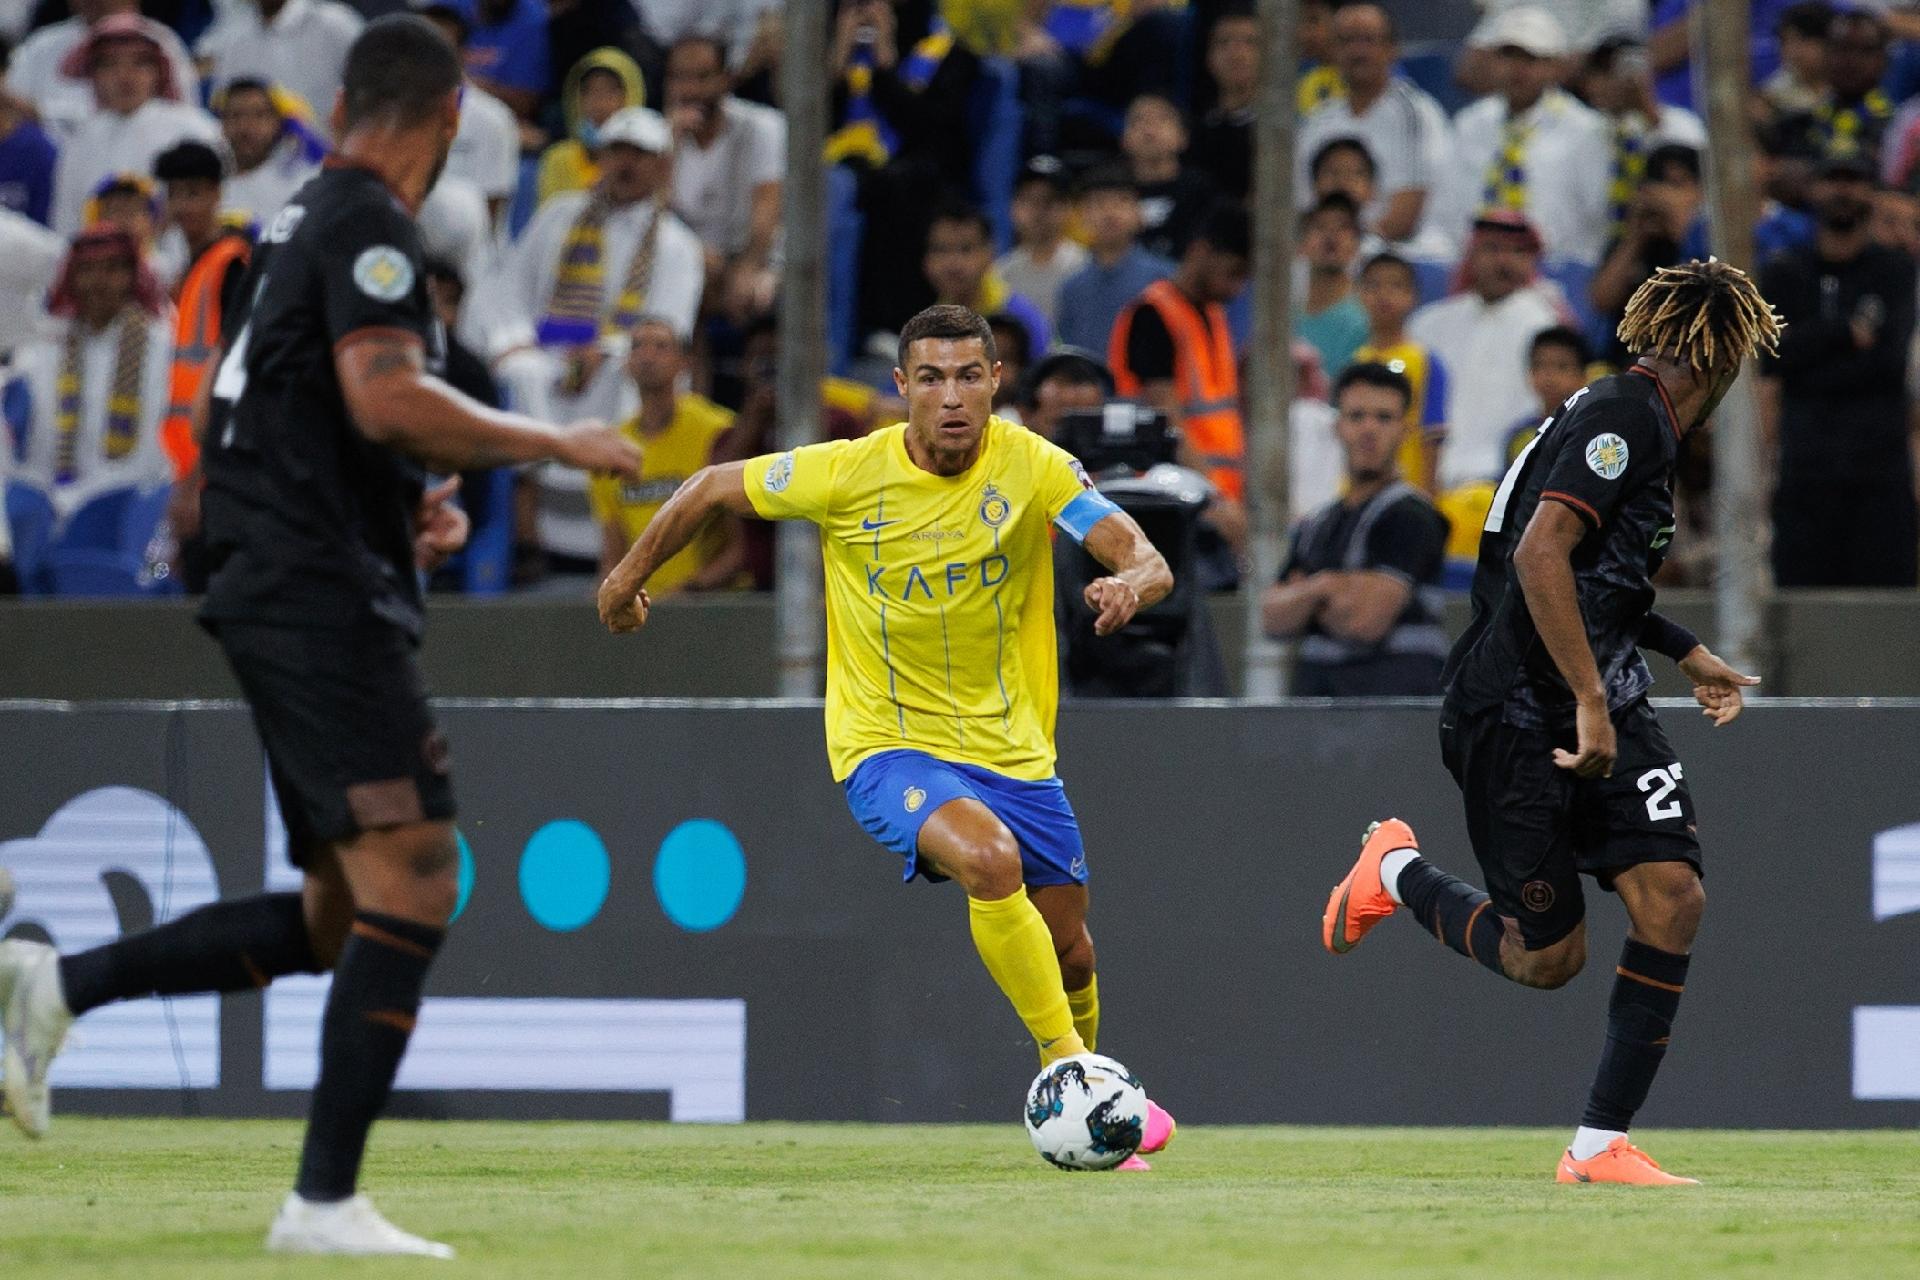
<point x="700" y="875"/>
<point x="564" y="874"/>
<point x="466" y="875"/>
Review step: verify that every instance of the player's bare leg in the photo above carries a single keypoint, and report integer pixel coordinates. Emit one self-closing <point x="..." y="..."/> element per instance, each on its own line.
<point x="964" y="841"/>
<point x="1664" y="902"/>
<point x="1064" y="908"/>
<point x="402" y="886"/>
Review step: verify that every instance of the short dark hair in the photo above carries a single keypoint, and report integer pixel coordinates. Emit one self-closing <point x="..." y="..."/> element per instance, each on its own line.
<point x="961" y="211"/>
<point x="1662" y="157"/>
<point x="1336" y="145"/>
<point x="946" y="321"/>
<point x="1111" y="176"/>
<point x="1225" y="229"/>
<point x="185" y="161"/>
<point x="1371" y="373"/>
<point x="400" y="68"/>
<point x="1335" y="202"/>
<point x="1811" y="18"/>
<point x="1565" y="337"/>
<point x="1387" y="258"/>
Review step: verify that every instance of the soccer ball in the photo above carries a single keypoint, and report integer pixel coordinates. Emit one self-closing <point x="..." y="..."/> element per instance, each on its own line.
<point x="1086" y="1112"/>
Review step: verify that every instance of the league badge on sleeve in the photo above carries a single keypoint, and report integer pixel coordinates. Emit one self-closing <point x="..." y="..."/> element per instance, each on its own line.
<point x="780" y="473"/>
<point x="1607" y="456"/>
<point x="383" y="273"/>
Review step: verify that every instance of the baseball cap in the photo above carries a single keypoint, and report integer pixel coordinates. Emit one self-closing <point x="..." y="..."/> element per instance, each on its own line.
<point x="1526" y="28"/>
<point x="639" y="127"/>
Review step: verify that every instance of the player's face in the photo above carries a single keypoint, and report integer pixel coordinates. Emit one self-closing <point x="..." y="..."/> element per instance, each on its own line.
<point x="949" y="385"/>
<point x="1387" y="294"/>
<point x="957" y="260"/>
<point x="1372" y="422"/>
<point x="251" y="126"/>
<point x="1555" y="373"/>
<point x="126" y="74"/>
<point x="1233" y="55"/>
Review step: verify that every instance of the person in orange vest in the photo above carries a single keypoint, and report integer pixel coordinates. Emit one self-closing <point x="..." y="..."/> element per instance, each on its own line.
<point x="209" y="291"/>
<point x="1171" y="349"/>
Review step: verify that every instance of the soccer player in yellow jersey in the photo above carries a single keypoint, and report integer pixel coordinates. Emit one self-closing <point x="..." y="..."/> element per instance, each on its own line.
<point x="942" y="662"/>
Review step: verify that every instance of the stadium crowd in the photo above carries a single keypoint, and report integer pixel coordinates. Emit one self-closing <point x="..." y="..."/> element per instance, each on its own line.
<point x="605" y="242"/>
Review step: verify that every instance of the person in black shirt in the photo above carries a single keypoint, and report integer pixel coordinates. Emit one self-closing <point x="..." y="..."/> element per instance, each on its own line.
<point x="318" y="522"/>
<point x="1359" y="583"/>
<point x="1545" y="723"/>
<point x="1843" y="506"/>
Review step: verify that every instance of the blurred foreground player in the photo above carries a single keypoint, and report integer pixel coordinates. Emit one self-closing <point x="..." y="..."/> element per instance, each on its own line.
<point x="1545" y="725"/>
<point x="943" y="675"/>
<point x="317" y="520"/>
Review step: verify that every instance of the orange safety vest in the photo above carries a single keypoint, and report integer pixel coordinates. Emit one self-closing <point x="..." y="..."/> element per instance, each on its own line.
<point x="1205" y="377"/>
<point x="196" y="342"/>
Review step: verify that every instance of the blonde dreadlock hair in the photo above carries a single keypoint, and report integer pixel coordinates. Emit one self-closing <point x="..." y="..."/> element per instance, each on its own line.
<point x="1701" y="314"/>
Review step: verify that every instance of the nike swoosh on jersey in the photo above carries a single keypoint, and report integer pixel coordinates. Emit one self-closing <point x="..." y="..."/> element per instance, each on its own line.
<point x="871" y="525"/>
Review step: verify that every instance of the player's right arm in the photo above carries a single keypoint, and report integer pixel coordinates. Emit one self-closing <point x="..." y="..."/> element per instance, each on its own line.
<point x="396" y="402"/>
<point x="1543" y="562"/>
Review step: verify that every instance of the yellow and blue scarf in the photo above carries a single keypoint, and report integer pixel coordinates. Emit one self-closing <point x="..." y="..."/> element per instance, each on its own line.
<point x="123" y="405"/>
<point x="864" y="133"/>
<point x="574" y="312"/>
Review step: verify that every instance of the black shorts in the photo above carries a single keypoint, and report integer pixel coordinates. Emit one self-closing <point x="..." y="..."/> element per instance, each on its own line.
<point x="1536" y="827"/>
<point x="343" y="714"/>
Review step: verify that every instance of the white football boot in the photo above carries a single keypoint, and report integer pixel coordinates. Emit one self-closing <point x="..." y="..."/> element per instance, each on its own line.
<point x="352" y="1226"/>
<point x="35" y="1019"/>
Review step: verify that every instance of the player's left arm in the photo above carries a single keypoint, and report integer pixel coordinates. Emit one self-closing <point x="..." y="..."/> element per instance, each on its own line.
<point x="1140" y="576"/>
<point x="1716" y="685"/>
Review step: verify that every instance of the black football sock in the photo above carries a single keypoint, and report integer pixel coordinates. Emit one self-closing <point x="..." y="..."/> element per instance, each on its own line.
<point x="1453" y="911"/>
<point x="369" y="1017"/>
<point x="224" y="946"/>
<point x="1646" y="994"/>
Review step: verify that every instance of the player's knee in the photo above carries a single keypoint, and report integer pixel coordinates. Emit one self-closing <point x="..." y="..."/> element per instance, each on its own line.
<point x="988" y="866"/>
<point x="1674" y="908"/>
<point x="1077" y="962"/>
<point x="423" y="881"/>
<point x="1554" y="967"/>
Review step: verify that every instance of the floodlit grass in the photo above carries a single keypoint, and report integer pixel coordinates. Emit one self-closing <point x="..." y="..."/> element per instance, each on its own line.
<point x="171" y="1198"/>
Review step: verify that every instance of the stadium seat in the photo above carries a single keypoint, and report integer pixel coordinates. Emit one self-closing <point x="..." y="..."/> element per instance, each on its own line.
<point x="98" y="525"/>
<point x="997" y="124"/>
<point x="486" y="565"/>
<point x="30" y="519"/>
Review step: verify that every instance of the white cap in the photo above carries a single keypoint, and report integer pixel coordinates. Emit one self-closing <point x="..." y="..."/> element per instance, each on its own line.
<point x="1534" y="30"/>
<point x="638" y="127"/>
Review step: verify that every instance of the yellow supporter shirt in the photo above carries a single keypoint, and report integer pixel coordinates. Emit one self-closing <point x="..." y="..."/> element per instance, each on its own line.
<point x="1427" y="411"/>
<point x="667" y="461"/>
<point x="939" y="592"/>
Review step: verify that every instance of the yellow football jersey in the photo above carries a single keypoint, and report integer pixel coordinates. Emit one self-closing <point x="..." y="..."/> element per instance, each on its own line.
<point x="939" y="592"/>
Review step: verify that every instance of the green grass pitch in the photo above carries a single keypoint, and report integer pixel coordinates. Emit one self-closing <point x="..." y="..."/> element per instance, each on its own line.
<point x="158" y="1199"/>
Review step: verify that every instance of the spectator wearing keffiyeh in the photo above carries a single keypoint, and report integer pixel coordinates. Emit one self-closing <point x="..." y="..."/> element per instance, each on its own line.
<point x="96" y="377"/>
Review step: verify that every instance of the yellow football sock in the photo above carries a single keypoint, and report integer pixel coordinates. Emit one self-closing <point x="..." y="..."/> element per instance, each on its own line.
<point x="1085" y="1004"/>
<point x="1013" y="940"/>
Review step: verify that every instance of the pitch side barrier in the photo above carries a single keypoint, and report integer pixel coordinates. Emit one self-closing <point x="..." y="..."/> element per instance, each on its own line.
<point x="668" y="912"/>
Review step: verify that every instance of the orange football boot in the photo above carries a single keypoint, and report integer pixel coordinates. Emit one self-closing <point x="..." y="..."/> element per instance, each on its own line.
<point x="1621" y="1162"/>
<point x="1360" y="901"/>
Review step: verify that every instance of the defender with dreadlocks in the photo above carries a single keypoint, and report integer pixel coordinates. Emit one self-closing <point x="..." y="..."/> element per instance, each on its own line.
<point x="1546" y="726"/>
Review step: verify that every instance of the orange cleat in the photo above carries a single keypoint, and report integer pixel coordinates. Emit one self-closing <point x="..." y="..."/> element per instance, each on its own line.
<point x="1360" y="901"/>
<point x="1621" y="1162"/>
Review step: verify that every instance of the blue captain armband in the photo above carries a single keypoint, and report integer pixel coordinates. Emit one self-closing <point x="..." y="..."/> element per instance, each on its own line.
<point x="1084" y="512"/>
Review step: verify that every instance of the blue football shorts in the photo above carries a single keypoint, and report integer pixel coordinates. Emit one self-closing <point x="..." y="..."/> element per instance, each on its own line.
<point x="894" y="793"/>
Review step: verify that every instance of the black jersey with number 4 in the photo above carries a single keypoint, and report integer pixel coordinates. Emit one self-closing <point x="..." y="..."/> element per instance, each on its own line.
<point x="309" y="522"/>
<point x="1608" y="455"/>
